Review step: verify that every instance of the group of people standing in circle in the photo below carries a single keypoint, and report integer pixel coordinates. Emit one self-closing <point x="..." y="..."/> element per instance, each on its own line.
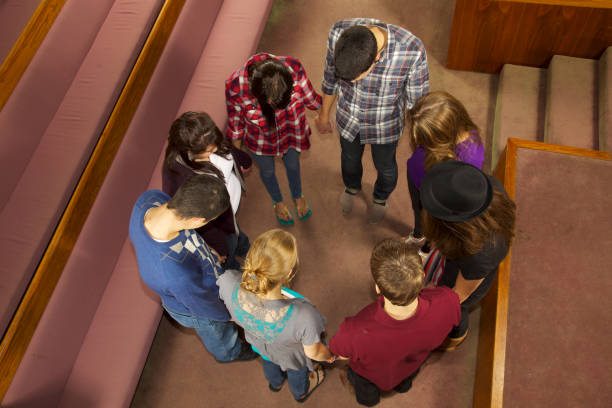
<point x="189" y="244"/>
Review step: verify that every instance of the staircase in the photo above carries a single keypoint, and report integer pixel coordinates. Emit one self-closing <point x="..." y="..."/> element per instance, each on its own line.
<point x="567" y="104"/>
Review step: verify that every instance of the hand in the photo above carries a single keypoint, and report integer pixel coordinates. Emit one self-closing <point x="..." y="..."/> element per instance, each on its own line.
<point x="246" y="170"/>
<point x="219" y="257"/>
<point x="324" y="125"/>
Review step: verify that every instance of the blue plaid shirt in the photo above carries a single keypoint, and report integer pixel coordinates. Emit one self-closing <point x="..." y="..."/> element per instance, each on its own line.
<point x="374" y="107"/>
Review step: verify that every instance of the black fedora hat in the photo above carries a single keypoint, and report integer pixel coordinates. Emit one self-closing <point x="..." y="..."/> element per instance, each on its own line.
<point x="455" y="191"/>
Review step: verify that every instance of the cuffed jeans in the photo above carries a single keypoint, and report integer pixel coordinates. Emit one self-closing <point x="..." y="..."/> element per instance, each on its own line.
<point x="291" y="159"/>
<point x="298" y="379"/>
<point x="220" y="338"/>
<point x="383" y="156"/>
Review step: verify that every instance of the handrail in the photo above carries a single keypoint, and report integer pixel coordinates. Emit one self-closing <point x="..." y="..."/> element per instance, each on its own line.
<point x="46" y="276"/>
<point x="26" y="46"/>
<point x="491" y="356"/>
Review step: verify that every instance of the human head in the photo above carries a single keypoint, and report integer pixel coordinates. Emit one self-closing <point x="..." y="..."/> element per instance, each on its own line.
<point x="397" y="270"/>
<point x="271" y="260"/>
<point x="463" y="208"/>
<point x="191" y="135"/>
<point x="437" y="120"/>
<point x="201" y="196"/>
<point x="271" y="83"/>
<point x="355" y="52"/>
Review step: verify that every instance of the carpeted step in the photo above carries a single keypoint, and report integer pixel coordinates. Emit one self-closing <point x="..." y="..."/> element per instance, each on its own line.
<point x="605" y="100"/>
<point x="519" y="109"/>
<point x="571" y="115"/>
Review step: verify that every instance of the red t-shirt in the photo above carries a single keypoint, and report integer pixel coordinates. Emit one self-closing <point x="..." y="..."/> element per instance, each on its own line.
<point x="385" y="350"/>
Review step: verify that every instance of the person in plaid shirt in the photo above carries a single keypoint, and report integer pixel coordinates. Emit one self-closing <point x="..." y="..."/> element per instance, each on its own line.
<point x="266" y="102"/>
<point x="376" y="71"/>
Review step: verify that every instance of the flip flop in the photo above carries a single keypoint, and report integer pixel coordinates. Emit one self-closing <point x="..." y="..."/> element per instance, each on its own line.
<point x="297" y="214"/>
<point x="290" y="221"/>
<point x="319" y="382"/>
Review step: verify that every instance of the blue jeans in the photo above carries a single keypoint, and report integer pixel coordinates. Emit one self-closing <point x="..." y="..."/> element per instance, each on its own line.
<point x="383" y="156"/>
<point x="291" y="159"/>
<point x="298" y="379"/>
<point x="220" y="338"/>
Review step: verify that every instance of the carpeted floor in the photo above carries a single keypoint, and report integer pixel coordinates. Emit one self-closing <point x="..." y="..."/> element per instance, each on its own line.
<point x="334" y="250"/>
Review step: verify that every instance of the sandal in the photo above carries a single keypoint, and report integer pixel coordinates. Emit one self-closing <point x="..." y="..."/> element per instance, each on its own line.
<point x="297" y="212"/>
<point x="289" y="221"/>
<point x="320" y="377"/>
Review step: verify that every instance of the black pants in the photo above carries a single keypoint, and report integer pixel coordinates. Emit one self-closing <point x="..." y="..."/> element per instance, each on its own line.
<point x="383" y="156"/>
<point x="415" y="197"/>
<point x="368" y="393"/>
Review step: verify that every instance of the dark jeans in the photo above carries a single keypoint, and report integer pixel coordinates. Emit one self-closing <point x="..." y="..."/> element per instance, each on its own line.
<point x="383" y="156"/>
<point x="298" y="379"/>
<point x="417" y="208"/>
<point x="291" y="159"/>
<point x="368" y="393"/>
<point x="466" y="306"/>
<point x="237" y="245"/>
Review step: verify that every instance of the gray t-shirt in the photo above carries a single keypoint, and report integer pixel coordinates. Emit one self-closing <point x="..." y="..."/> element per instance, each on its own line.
<point x="278" y="329"/>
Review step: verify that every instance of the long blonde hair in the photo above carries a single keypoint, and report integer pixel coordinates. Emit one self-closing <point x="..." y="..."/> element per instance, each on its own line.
<point x="272" y="259"/>
<point x="437" y="120"/>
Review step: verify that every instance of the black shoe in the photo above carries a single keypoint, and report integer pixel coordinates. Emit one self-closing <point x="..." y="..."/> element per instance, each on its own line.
<point x="246" y="354"/>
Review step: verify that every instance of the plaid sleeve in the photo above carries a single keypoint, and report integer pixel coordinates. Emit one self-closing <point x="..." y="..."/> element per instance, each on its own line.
<point x="329" y="85"/>
<point x="235" y="126"/>
<point x="311" y="98"/>
<point x="418" y="80"/>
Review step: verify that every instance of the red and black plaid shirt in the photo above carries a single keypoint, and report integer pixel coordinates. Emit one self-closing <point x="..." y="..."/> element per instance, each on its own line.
<point x="246" y="120"/>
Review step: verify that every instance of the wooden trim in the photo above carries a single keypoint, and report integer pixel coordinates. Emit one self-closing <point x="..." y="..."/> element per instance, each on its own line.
<point x="571" y="3"/>
<point x="26" y="46"/>
<point x="574" y="151"/>
<point x="491" y="357"/>
<point x="46" y="276"/>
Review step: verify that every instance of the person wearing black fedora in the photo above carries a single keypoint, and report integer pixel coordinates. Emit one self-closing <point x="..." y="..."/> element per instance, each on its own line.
<point x="470" y="219"/>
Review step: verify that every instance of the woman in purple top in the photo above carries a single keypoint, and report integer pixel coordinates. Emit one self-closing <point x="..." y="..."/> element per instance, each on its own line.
<point x="440" y="130"/>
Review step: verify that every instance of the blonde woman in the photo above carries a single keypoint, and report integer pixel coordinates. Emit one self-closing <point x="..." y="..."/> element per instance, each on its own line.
<point x="440" y="130"/>
<point x="285" y="330"/>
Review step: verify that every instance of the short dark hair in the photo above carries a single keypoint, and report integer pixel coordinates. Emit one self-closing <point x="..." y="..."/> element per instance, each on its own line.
<point x="270" y="81"/>
<point x="200" y="196"/>
<point x="397" y="270"/>
<point x="355" y="52"/>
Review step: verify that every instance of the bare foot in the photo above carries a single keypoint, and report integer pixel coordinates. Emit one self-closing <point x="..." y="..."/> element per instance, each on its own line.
<point x="301" y="205"/>
<point x="282" y="211"/>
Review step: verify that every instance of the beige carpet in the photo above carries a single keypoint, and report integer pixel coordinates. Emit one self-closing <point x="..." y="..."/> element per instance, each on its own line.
<point x="334" y="250"/>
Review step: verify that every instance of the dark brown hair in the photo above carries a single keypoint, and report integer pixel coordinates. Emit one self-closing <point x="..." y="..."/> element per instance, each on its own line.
<point x="437" y="120"/>
<point x="457" y="240"/>
<point x="193" y="132"/>
<point x="271" y="83"/>
<point x="397" y="270"/>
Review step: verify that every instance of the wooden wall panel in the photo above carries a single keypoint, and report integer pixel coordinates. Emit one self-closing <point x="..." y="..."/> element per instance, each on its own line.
<point x="488" y="34"/>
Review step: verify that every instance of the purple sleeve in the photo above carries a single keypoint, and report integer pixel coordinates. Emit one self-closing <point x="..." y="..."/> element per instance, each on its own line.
<point x="471" y="151"/>
<point x="416" y="166"/>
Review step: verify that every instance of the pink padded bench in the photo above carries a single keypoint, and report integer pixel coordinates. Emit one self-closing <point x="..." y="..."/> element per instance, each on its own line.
<point x="52" y="121"/>
<point x="94" y="336"/>
<point x="14" y="16"/>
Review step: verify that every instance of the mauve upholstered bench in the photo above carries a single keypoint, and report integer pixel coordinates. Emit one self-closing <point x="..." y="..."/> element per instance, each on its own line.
<point x="95" y="334"/>
<point x="52" y="121"/>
